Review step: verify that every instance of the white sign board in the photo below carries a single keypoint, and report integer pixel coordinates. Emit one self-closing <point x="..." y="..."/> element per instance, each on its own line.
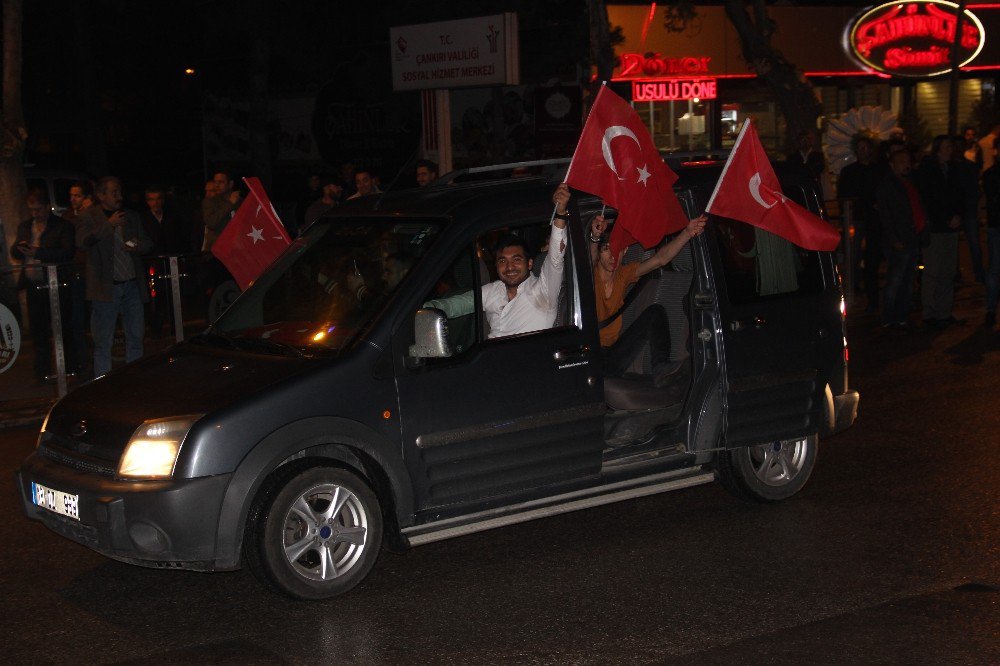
<point x="10" y="338"/>
<point x="452" y="54"/>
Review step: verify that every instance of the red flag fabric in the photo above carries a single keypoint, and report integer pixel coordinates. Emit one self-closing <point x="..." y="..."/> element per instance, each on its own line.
<point x="253" y="238"/>
<point x="749" y="191"/>
<point x="617" y="160"/>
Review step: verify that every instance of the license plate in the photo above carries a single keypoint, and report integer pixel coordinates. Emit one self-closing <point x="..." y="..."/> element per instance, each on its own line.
<point x="56" y="501"/>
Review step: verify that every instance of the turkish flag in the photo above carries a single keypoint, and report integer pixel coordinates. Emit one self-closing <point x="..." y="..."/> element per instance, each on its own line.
<point x="253" y="238"/>
<point x="617" y="160"/>
<point x="749" y="191"/>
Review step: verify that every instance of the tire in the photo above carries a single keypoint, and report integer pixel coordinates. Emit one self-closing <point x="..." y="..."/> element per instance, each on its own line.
<point x="298" y="547"/>
<point x="768" y="472"/>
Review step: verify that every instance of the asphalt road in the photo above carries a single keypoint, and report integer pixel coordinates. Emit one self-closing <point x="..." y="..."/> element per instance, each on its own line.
<point x="891" y="554"/>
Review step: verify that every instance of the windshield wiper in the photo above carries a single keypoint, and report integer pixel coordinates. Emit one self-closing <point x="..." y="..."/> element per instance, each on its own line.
<point x="216" y="338"/>
<point x="264" y="344"/>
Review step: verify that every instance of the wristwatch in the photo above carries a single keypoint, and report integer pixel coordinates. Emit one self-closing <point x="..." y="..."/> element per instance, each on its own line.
<point x="561" y="216"/>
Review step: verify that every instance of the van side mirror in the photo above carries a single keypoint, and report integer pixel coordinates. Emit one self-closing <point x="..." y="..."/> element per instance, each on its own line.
<point x="430" y="334"/>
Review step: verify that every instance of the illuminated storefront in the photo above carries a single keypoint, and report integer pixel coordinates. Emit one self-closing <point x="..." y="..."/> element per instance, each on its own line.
<point x="694" y="89"/>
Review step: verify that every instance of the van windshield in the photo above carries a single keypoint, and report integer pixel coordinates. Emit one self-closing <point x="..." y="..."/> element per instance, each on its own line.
<point x="326" y="287"/>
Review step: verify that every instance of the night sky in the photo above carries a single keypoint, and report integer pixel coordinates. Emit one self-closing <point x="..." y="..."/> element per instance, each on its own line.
<point x="150" y="111"/>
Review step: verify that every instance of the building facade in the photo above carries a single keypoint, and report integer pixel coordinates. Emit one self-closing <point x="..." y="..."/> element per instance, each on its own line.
<point x="694" y="88"/>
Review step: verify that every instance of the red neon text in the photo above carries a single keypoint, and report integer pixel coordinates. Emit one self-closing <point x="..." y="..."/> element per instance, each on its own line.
<point x="673" y="89"/>
<point x="635" y="65"/>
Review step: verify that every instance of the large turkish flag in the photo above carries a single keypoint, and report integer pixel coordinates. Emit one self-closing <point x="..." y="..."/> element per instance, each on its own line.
<point x="617" y="160"/>
<point x="253" y="238"/>
<point x="748" y="191"/>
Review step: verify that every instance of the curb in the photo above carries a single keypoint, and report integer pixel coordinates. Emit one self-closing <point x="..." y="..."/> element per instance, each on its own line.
<point x="21" y="415"/>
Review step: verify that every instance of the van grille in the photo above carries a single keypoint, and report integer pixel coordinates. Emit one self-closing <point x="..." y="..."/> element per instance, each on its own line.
<point x="75" y="461"/>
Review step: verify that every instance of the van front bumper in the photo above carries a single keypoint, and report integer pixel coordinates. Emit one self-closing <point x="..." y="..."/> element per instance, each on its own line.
<point x="168" y="523"/>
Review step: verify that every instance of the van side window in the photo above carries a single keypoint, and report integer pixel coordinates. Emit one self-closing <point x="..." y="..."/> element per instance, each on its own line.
<point x="473" y="292"/>
<point x="759" y="265"/>
<point x="546" y="286"/>
<point x="454" y="293"/>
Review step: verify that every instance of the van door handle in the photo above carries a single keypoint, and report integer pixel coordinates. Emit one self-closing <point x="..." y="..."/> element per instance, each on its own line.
<point x="571" y="353"/>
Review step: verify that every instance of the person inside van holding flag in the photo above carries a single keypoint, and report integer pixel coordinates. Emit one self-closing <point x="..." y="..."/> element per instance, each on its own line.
<point x="611" y="282"/>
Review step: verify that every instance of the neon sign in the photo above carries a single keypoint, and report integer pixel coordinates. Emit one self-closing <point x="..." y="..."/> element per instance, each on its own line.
<point x="913" y="38"/>
<point x="668" y="90"/>
<point x="638" y="66"/>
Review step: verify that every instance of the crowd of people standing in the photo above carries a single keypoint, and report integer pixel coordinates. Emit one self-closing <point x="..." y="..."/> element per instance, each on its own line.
<point x="109" y="251"/>
<point x="909" y="211"/>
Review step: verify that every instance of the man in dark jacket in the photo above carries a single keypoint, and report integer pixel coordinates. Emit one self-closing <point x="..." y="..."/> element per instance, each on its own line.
<point x="940" y="190"/>
<point x="170" y="236"/>
<point x="857" y="183"/>
<point x="43" y="239"/>
<point x="115" y="241"/>
<point x="991" y="188"/>
<point x="904" y="231"/>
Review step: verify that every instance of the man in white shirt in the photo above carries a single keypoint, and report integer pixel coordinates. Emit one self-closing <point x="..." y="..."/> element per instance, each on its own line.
<point x="520" y="302"/>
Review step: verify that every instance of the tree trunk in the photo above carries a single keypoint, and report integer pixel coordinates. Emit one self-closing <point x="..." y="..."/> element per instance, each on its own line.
<point x="91" y="126"/>
<point x="792" y="91"/>
<point x="13" y="208"/>
<point x="601" y="53"/>
<point x="260" y="58"/>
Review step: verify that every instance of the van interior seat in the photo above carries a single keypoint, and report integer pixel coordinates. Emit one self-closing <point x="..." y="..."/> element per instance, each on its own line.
<point x="668" y="287"/>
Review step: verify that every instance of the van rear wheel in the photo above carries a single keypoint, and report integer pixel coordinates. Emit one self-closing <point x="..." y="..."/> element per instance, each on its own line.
<point x="768" y="472"/>
<point x="318" y="536"/>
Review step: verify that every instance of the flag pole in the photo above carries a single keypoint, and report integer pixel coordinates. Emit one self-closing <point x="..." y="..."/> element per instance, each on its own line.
<point x="739" y="139"/>
<point x="571" y="160"/>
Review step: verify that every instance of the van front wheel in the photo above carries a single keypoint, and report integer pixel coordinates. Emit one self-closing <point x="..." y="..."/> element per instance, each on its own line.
<point x="319" y="536"/>
<point x="768" y="472"/>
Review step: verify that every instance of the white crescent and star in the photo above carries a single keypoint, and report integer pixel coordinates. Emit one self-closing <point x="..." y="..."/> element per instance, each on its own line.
<point x="256" y="234"/>
<point x="754" y="186"/>
<point x="612" y="133"/>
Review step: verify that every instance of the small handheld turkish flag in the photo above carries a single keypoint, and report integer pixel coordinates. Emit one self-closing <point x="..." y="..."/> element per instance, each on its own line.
<point x="748" y="191"/>
<point x="617" y="160"/>
<point x="253" y="238"/>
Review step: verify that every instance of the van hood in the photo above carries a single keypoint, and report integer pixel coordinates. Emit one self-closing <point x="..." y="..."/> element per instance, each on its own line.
<point x="186" y="379"/>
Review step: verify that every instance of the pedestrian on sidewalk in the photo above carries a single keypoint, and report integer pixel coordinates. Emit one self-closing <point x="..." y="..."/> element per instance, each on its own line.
<point x="904" y="232"/>
<point x="44" y="238"/>
<point x="115" y="241"/>
<point x="940" y="188"/>
<point x="991" y="188"/>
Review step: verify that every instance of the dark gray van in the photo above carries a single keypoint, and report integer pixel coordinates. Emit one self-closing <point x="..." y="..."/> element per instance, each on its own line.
<point x="328" y="413"/>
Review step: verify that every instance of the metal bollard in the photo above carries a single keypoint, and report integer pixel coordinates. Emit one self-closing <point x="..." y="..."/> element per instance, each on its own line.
<point x="847" y="216"/>
<point x="55" y="316"/>
<point x="175" y="292"/>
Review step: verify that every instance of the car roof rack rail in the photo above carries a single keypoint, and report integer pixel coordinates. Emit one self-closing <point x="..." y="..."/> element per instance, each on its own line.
<point x="695" y="157"/>
<point x="460" y="175"/>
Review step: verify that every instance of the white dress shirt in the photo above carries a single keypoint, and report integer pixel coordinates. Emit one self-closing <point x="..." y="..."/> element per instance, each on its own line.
<point x="533" y="308"/>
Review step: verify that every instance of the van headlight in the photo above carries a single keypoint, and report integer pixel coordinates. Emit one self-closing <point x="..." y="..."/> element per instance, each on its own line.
<point x="152" y="451"/>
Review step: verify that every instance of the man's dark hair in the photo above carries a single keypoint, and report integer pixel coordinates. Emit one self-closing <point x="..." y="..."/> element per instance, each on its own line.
<point x="150" y="189"/>
<point x="364" y="168"/>
<point x="401" y="258"/>
<point x="104" y="181"/>
<point x="863" y="139"/>
<point x="85" y="186"/>
<point x="430" y="166"/>
<point x="510" y="240"/>
<point x="39" y="195"/>
<point x="967" y="128"/>
<point x="939" y="140"/>
<point x="225" y="172"/>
